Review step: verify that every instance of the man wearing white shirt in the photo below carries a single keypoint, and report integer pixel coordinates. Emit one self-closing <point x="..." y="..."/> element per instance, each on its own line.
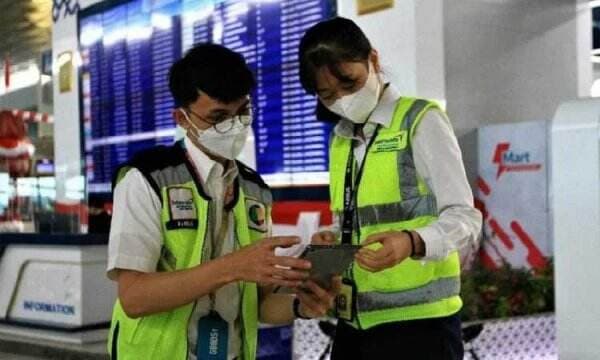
<point x="189" y="242"/>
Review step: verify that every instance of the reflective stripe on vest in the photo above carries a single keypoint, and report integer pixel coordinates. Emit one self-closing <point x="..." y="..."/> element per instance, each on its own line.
<point x="172" y="175"/>
<point x="398" y="211"/>
<point x="255" y="191"/>
<point x="409" y="182"/>
<point x="434" y="291"/>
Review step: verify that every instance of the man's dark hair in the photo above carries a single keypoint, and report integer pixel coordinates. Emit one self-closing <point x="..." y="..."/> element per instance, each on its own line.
<point x="215" y="70"/>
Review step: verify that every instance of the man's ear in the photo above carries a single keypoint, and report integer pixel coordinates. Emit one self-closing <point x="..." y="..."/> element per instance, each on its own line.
<point x="179" y="118"/>
<point x="374" y="57"/>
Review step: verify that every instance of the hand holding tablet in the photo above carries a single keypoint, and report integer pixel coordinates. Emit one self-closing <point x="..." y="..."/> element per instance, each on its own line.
<point x="329" y="261"/>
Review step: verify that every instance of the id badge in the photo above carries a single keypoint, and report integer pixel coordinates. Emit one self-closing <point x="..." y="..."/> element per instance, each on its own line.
<point x="344" y="302"/>
<point x="213" y="336"/>
<point x="182" y="209"/>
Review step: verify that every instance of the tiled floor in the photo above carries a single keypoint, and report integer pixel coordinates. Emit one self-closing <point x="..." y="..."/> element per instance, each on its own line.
<point x="522" y="338"/>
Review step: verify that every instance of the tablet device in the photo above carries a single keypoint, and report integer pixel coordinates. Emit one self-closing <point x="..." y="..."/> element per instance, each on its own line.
<point x="329" y="261"/>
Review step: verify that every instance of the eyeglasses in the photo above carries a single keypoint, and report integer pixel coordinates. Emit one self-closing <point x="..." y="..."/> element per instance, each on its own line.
<point x="223" y="124"/>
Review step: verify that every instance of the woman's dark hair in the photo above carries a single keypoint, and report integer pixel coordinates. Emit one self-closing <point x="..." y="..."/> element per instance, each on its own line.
<point x="330" y="43"/>
<point x="214" y="69"/>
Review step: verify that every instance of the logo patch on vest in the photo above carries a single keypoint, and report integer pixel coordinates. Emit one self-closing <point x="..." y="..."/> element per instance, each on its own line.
<point x="257" y="215"/>
<point x="395" y="141"/>
<point x="182" y="210"/>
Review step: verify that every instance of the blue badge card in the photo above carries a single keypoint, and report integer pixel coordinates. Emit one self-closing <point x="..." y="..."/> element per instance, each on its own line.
<point x="213" y="339"/>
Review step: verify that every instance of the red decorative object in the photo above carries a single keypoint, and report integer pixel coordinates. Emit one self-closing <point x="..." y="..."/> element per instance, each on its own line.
<point x="16" y="149"/>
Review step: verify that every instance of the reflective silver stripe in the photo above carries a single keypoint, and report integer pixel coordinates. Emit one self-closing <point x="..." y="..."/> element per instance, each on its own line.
<point x="413" y="112"/>
<point x="434" y="291"/>
<point x="409" y="185"/>
<point x="257" y="192"/>
<point x="399" y="211"/>
<point x="172" y="175"/>
<point x="175" y="175"/>
<point x="407" y="171"/>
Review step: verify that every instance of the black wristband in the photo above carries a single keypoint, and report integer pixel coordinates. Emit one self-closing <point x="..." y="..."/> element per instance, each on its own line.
<point x="412" y="242"/>
<point x="296" y="310"/>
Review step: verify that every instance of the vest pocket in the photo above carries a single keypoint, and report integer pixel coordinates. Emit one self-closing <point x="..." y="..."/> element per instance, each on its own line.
<point x="178" y="248"/>
<point x="141" y="338"/>
<point x="150" y="329"/>
<point x="126" y="342"/>
<point x="157" y="335"/>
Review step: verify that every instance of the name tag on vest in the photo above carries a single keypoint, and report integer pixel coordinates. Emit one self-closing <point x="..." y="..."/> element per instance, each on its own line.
<point x="182" y="209"/>
<point x="394" y="141"/>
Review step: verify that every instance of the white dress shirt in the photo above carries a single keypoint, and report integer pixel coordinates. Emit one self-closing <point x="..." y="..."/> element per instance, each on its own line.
<point x="135" y="238"/>
<point x="438" y="161"/>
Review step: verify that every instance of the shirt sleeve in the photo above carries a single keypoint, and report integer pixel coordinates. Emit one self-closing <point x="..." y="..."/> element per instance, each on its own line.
<point x="135" y="238"/>
<point x="438" y="160"/>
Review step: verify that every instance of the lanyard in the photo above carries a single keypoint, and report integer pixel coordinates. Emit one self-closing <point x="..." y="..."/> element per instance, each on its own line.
<point x="351" y="192"/>
<point x="217" y="238"/>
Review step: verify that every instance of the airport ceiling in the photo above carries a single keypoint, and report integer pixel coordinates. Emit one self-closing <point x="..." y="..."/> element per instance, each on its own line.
<point x="25" y="29"/>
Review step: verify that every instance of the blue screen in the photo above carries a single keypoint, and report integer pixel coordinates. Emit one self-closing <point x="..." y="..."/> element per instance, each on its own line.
<point x="127" y="50"/>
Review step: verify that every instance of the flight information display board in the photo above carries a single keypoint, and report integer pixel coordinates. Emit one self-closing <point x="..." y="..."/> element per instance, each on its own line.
<point x="127" y="48"/>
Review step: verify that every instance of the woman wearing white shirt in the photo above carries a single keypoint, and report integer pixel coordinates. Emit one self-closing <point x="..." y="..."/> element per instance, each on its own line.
<point x="398" y="187"/>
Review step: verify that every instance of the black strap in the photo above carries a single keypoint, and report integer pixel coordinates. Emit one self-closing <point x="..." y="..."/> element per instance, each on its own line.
<point x="115" y="343"/>
<point x="351" y="189"/>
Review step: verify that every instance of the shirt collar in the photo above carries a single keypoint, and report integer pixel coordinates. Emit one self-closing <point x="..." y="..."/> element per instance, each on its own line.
<point x="382" y="114"/>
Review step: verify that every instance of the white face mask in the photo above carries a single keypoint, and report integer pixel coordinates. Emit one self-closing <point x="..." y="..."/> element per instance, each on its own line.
<point x="357" y="106"/>
<point x="227" y="145"/>
<point x="179" y="133"/>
